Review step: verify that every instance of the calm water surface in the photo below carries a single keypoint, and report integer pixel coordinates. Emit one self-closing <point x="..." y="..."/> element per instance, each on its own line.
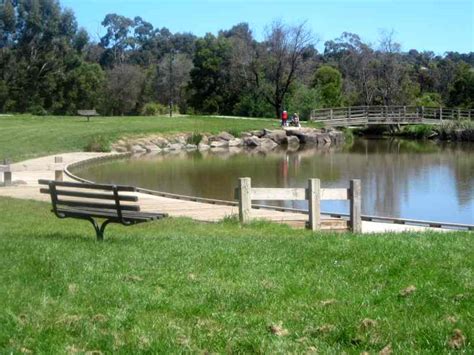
<point x="410" y="179"/>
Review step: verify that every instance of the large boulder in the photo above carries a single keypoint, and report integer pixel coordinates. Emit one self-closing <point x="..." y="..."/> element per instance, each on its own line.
<point x="252" y="141"/>
<point x="306" y="136"/>
<point x="203" y="147"/>
<point x="258" y="133"/>
<point x="176" y="146"/>
<point x="152" y="148"/>
<point x="292" y="141"/>
<point x="267" y="144"/>
<point x="160" y="142"/>
<point x="245" y="135"/>
<point x="224" y="136"/>
<point x="237" y="142"/>
<point x="219" y="144"/>
<point x="278" y="136"/>
<point x="137" y="149"/>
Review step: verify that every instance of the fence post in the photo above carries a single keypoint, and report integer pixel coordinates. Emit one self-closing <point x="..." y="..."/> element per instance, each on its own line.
<point x="7" y="173"/>
<point x="245" y="199"/>
<point x="356" y="206"/>
<point x="314" y="203"/>
<point x="441" y="114"/>
<point x="331" y="114"/>
<point x="58" y="171"/>
<point x="422" y="113"/>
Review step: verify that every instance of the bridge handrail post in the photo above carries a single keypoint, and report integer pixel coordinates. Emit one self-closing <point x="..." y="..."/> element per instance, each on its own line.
<point x="314" y="204"/>
<point x="441" y="114"/>
<point x="245" y="199"/>
<point x="422" y="113"/>
<point x="356" y="206"/>
<point x="331" y="114"/>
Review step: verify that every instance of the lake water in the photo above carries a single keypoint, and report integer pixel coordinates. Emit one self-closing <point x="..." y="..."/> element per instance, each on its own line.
<point x="400" y="178"/>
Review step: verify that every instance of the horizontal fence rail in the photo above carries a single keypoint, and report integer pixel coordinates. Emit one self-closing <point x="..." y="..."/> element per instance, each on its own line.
<point x="314" y="194"/>
<point x="360" y="115"/>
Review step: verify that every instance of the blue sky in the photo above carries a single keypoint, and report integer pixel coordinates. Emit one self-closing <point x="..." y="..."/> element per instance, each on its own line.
<point x="440" y="26"/>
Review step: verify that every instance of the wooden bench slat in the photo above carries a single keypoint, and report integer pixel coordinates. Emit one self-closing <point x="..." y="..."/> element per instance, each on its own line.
<point x="105" y="206"/>
<point x="128" y="216"/>
<point x="106" y="187"/>
<point x="91" y="195"/>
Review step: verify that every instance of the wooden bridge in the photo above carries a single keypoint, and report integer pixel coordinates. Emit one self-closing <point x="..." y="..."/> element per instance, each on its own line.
<point x="388" y="115"/>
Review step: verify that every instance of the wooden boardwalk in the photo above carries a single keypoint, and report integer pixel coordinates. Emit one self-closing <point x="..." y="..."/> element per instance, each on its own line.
<point x="25" y="186"/>
<point x="389" y="115"/>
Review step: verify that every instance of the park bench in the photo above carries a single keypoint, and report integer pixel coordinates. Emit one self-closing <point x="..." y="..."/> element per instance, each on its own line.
<point x="87" y="113"/>
<point x="94" y="201"/>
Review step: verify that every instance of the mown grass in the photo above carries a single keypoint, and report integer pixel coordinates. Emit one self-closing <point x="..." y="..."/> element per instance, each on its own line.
<point x="25" y="136"/>
<point x="180" y="286"/>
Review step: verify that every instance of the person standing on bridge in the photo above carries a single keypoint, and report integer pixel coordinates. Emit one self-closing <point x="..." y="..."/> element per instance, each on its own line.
<point x="284" y="119"/>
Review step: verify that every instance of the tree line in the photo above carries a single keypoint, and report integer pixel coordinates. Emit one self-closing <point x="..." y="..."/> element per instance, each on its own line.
<point x="49" y="65"/>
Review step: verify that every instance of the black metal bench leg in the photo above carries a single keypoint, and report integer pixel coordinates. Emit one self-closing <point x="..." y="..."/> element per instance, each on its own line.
<point x="99" y="231"/>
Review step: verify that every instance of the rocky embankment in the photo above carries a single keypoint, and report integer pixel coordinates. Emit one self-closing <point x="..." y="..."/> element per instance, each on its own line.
<point x="261" y="139"/>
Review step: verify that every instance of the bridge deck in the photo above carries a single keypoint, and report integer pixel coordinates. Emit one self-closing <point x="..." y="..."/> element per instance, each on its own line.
<point x="389" y="115"/>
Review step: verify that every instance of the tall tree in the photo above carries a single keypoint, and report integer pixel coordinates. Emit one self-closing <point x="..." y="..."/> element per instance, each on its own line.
<point x="278" y="60"/>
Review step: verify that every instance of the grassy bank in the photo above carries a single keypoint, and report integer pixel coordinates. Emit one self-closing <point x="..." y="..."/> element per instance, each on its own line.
<point x="24" y="136"/>
<point x="177" y="286"/>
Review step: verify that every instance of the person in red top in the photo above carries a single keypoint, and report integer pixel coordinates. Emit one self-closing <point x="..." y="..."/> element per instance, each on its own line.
<point x="284" y="119"/>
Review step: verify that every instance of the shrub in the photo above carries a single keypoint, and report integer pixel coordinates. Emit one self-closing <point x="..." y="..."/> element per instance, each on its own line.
<point x="37" y="110"/>
<point x="195" y="139"/>
<point x="154" y="109"/>
<point x="98" y="144"/>
<point x="457" y="130"/>
<point x="418" y="131"/>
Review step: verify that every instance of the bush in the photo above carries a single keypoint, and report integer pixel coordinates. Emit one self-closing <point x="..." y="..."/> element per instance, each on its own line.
<point x="37" y="110"/>
<point x="98" y="144"/>
<point x="195" y="139"/>
<point x="457" y="130"/>
<point x="154" y="109"/>
<point x="418" y="131"/>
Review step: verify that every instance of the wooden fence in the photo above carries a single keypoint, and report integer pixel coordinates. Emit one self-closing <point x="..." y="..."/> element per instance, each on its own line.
<point x="314" y="194"/>
<point x="7" y="169"/>
<point x="390" y="114"/>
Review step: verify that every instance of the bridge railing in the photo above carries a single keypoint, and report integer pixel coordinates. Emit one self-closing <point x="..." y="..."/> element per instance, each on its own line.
<point x="366" y="114"/>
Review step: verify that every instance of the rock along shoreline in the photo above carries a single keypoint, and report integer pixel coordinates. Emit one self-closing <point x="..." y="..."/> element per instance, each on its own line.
<point x="263" y="140"/>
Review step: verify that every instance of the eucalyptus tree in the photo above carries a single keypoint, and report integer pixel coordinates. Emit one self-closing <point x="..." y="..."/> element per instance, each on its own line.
<point x="278" y="59"/>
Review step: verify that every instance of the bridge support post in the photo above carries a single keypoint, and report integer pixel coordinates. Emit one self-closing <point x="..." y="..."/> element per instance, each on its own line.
<point x="245" y="199"/>
<point x="314" y="204"/>
<point x="356" y="206"/>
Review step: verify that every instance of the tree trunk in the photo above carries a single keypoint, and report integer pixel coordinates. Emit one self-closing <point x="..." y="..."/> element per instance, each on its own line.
<point x="278" y="109"/>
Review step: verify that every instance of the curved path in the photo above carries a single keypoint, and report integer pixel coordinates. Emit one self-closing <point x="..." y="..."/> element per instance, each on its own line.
<point x="25" y="186"/>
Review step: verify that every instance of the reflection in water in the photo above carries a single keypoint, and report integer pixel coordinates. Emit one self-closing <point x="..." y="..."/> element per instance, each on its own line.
<point x="420" y="180"/>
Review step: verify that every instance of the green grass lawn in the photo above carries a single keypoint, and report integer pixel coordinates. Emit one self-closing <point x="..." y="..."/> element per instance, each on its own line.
<point x="180" y="286"/>
<point x="24" y="136"/>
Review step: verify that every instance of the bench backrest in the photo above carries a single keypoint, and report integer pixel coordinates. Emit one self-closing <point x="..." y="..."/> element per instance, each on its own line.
<point x="87" y="113"/>
<point x="95" y="197"/>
